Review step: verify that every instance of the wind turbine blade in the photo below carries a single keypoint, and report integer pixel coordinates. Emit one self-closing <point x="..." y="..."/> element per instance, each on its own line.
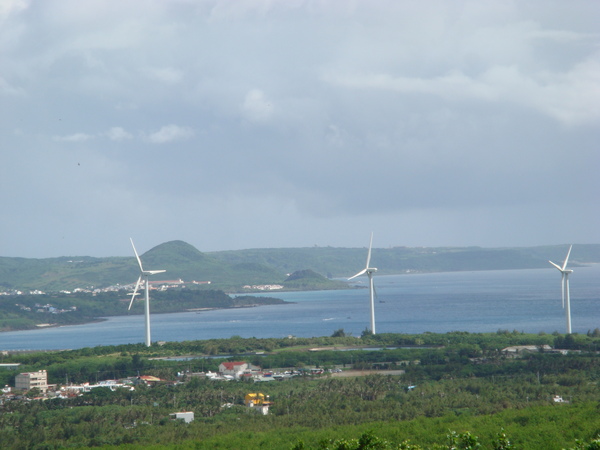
<point x="137" y="286"/>
<point x="362" y="272"/>
<point x="369" y="254"/>
<point x="137" y="256"/>
<point x="556" y="265"/>
<point x="154" y="272"/>
<point x="567" y="258"/>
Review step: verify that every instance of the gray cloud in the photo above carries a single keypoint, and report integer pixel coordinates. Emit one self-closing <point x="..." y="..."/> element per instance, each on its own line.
<point x="268" y="124"/>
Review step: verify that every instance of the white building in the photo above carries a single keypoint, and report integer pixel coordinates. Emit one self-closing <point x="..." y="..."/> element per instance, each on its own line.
<point x="187" y="417"/>
<point x="30" y="380"/>
<point x="234" y="369"/>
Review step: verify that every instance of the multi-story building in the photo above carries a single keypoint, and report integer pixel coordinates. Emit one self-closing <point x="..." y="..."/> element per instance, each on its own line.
<point x="30" y="380"/>
<point x="233" y="369"/>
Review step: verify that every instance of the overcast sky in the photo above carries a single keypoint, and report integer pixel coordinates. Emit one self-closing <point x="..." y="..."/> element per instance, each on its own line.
<point x="261" y="123"/>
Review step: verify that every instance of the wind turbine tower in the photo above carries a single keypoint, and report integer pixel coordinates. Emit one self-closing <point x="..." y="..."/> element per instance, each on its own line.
<point x="566" y="298"/>
<point x="145" y="274"/>
<point x="369" y="271"/>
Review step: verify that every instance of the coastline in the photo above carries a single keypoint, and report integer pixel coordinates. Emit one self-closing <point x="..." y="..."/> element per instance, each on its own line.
<point x="45" y="326"/>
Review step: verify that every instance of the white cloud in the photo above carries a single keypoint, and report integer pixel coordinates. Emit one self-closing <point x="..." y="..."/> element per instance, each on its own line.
<point x="170" y="133"/>
<point x="8" y="7"/>
<point x="257" y="107"/>
<point x="77" y="137"/>
<point x="118" y="134"/>
<point x="572" y="98"/>
<point x="452" y="85"/>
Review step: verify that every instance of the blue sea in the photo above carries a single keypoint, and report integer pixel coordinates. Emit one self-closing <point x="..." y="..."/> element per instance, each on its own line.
<point x="485" y="301"/>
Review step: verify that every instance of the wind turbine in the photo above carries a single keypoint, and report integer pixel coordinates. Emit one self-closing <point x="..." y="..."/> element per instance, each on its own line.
<point x="144" y="274"/>
<point x="369" y="271"/>
<point x="566" y="299"/>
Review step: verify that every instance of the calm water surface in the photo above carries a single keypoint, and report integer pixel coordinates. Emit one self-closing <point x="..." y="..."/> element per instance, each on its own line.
<point x="523" y="300"/>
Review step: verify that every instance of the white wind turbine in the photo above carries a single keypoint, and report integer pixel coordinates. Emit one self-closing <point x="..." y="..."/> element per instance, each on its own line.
<point x="369" y="271"/>
<point x="566" y="299"/>
<point x="145" y="274"/>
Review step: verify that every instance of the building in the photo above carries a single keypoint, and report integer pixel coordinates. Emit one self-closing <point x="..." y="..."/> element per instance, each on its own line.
<point x="30" y="380"/>
<point x="258" y="401"/>
<point x="9" y="365"/>
<point x="186" y="416"/>
<point x="233" y="369"/>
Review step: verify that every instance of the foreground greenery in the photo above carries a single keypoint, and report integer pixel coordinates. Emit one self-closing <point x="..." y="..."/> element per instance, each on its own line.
<point x="459" y="390"/>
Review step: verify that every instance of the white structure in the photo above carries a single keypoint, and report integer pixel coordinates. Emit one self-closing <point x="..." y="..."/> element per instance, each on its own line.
<point x="566" y="299"/>
<point x="113" y="385"/>
<point x="516" y="349"/>
<point x="145" y="274"/>
<point x="30" y="380"/>
<point x="233" y="369"/>
<point x="187" y="417"/>
<point x="369" y="271"/>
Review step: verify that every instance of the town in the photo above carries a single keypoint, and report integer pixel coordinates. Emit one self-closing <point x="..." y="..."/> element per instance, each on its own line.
<point x="161" y="285"/>
<point x="34" y="386"/>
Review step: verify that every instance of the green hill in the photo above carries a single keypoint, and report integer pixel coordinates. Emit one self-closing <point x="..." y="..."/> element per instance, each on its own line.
<point x="309" y="279"/>
<point x="230" y="270"/>
<point x="180" y="260"/>
<point x="335" y="262"/>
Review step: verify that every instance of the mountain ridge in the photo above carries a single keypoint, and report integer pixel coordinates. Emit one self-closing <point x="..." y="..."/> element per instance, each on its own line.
<point x="232" y="269"/>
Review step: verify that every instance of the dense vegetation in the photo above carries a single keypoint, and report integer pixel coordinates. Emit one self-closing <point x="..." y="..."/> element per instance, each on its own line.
<point x="343" y="262"/>
<point x="459" y="391"/>
<point x="304" y="280"/>
<point x="179" y="259"/>
<point x="27" y="311"/>
<point x="231" y="270"/>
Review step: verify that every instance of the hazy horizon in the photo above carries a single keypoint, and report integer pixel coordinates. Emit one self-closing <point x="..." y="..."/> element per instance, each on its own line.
<point x="142" y="251"/>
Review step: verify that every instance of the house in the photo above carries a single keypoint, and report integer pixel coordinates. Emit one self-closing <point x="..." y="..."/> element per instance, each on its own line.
<point x="234" y="369"/>
<point x="148" y="380"/>
<point x="187" y="417"/>
<point x="258" y="401"/>
<point x="30" y="380"/>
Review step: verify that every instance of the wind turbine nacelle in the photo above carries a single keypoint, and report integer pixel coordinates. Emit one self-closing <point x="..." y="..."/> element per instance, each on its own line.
<point x="372" y="269"/>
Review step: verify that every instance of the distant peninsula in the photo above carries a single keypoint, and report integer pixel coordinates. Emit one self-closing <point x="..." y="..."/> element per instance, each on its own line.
<point x="31" y="311"/>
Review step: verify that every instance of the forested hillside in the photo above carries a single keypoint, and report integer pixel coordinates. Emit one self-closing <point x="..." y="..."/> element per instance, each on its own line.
<point x="343" y="262"/>
<point x="231" y="270"/>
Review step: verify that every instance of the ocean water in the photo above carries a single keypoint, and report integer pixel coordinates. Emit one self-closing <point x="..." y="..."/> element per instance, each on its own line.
<point x="486" y="301"/>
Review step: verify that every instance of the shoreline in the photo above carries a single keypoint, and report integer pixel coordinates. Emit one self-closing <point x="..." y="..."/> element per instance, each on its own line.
<point x="45" y="326"/>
